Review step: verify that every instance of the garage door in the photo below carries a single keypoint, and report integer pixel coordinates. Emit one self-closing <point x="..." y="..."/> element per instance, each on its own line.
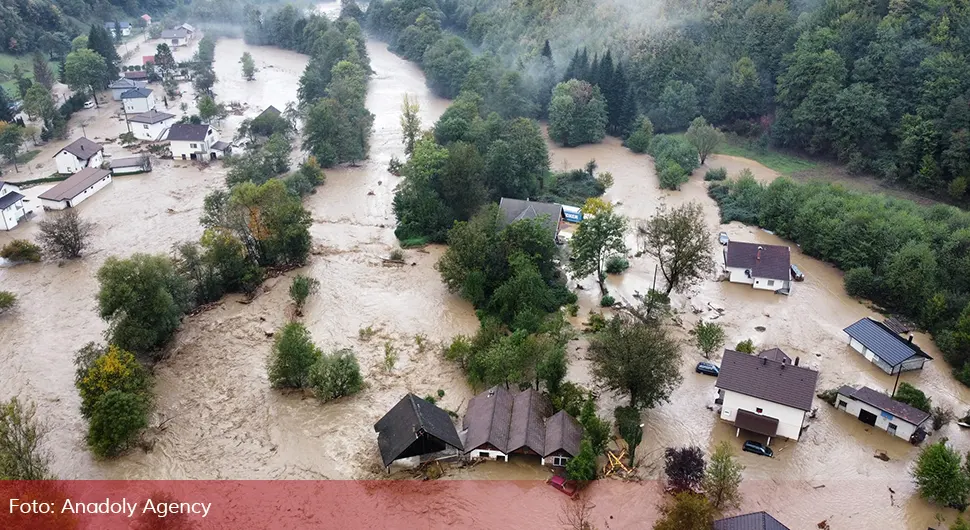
<point x="867" y="417"/>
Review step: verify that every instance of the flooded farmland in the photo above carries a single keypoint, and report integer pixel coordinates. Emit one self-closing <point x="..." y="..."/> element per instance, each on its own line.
<point x="217" y="418"/>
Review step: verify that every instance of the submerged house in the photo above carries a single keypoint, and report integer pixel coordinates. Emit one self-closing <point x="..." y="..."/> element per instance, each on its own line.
<point x="551" y="214"/>
<point x="765" y="396"/>
<point x="77" y="155"/>
<point x="76" y="189"/>
<point x="196" y="142"/>
<point x="761" y="266"/>
<point x="884" y="348"/>
<point x="150" y="125"/>
<point x="138" y="100"/>
<point x="875" y="408"/>
<point x="415" y="427"/>
<point x="750" y="521"/>
<point x="11" y="206"/>
<point x="498" y="424"/>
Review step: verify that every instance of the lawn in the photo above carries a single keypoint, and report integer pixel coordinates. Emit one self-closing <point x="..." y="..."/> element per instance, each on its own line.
<point x="780" y="161"/>
<point x="26" y="63"/>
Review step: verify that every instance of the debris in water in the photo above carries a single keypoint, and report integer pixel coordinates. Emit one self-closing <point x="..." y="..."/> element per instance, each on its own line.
<point x="370" y="192"/>
<point x="818" y="487"/>
<point x="379" y="182"/>
<point x="759" y="328"/>
<point x="881" y="455"/>
<point x="824" y="525"/>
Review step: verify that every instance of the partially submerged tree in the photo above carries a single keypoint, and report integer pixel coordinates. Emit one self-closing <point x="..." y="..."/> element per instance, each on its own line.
<point x="909" y="394"/>
<point x="939" y="476"/>
<point x="582" y="467"/>
<point x="630" y="426"/>
<point x="301" y="288"/>
<point x="598" y="237"/>
<point x="680" y="241"/>
<point x="684" y="468"/>
<point x="703" y="137"/>
<point x="84" y="69"/>
<point x="292" y="357"/>
<point x="336" y="375"/>
<point x="410" y="123"/>
<point x="7" y="300"/>
<point x="248" y="66"/>
<point x="709" y="337"/>
<point x="11" y="138"/>
<point x="20" y="250"/>
<point x="22" y="456"/>
<point x="723" y="478"/>
<point x="65" y="235"/>
<point x="685" y="511"/>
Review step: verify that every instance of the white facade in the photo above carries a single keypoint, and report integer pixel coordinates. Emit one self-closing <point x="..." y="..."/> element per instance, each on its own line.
<point x="739" y="275"/>
<point x="790" y="419"/>
<point x="884" y="420"/>
<point x="117" y="92"/>
<point x="68" y="164"/>
<point x="489" y="454"/>
<point x="150" y="131"/>
<point x="135" y="105"/>
<point x="916" y="363"/>
<point x="195" y="149"/>
<point x="77" y="199"/>
<point x="11" y="215"/>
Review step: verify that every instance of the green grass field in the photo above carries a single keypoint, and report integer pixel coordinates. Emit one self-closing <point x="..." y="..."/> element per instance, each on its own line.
<point x="7" y="63"/>
<point x="782" y="162"/>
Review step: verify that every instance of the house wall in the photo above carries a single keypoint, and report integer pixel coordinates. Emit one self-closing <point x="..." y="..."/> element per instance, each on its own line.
<point x="184" y="150"/>
<point x="738" y="276"/>
<point x="912" y="364"/>
<point x="790" y="419"/>
<point x="550" y="460"/>
<point x="84" y="195"/>
<point x="176" y="42"/>
<point x="133" y="105"/>
<point x="67" y="164"/>
<point x="904" y="429"/>
<point x="126" y="170"/>
<point x="487" y="451"/>
<point x="10" y="216"/>
<point x="150" y="131"/>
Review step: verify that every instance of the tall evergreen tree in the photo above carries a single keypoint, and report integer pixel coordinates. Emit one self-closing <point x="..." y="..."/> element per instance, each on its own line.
<point x="42" y="71"/>
<point x="99" y="40"/>
<point x="592" y="71"/>
<point x="573" y="70"/>
<point x="547" y="50"/>
<point x="5" y="113"/>
<point x="582" y="67"/>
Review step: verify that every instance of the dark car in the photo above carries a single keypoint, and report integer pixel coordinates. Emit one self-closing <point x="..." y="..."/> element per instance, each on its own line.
<point x="707" y="368"/>
<point x="757" y="448"/>
<point x="796" y="273"/>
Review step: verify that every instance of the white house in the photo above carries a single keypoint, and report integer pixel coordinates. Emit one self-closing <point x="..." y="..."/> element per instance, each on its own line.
<point x="11" y="206"/>
<point x="765" y="396"/>
<point x="884" y="348"/>
<point x="196" y="142"/>
<point x="122" y="85"/>
<point x="761" y="266"/>
<point x="189" y="29"/>
<point x="175" y="37"/>
<point x="79" y="154"/>
<point x="138" y="100"/>
<point x="76" y="189"/>
<point x="150" y="125"/>
<point x="125" y="28"/>
<point x="883" y="412"/>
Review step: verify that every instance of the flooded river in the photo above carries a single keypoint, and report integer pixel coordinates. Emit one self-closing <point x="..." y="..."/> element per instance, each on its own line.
<point x="216" y="416"/>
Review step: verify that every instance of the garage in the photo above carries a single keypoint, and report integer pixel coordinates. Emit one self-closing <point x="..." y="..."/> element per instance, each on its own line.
<point x="867" y="417"/>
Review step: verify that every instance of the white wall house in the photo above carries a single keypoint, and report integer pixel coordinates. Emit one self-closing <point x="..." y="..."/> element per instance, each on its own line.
<point x="175" y="37"/>
<point x="150" y="125"/>
<point x="11" y="206"/>
<point x="138" y="100"/>
<point x="766" y="267"/>
<point x="196" y="142"/>
<point x="765" y="396"/>
<point x="881" y="411"/>
<point x="884" y="348"/>
<point x="76" y="189"/>
<point x="77" y="155"/>
<point x="125" y="28"/>
<point x="122" y="85"/>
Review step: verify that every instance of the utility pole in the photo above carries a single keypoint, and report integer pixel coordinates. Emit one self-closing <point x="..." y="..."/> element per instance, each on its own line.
<point x="128" y="123"/>
<point x="897" y="381"/>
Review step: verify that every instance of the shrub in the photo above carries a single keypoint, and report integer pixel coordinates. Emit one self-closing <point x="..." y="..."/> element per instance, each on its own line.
<point x="639" y="139"/>
<point x="100" y="372"/>
<point x="596" y="322"/>
<point x="957" y="188"/>
<point x="20" y="250"/>
<point x="829" y="396"/>
<point x="301" y="288"/>
<point x="941" y="417"/>
<point x="65" y="235"/>
<point x="292" y="357"/>
<point x="665" y="149"/>
<point x="582" y="467"/>
<point x="115" y="422"/>
<point x="441" y="393"/>
<point x="716" y="174"/>
<point x="745" y="346"/>
<point x="709" y="336"/>
<point x="607" y="301"/>
<point x="909" y="394"/>
<point x="672" y="176"/>
<point x="572" y="309"/>
<point x="861" y="282"/>
<point x="7" y="300"/>
<point x="396" y="255"/>
<point x="617" y="264"/>
<point x="336" y="375"/>
<point x="390" y="356"/>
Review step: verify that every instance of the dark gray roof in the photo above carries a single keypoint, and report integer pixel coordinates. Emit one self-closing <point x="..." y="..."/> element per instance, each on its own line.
<point x="111" y="25"/>
<point x="75" y="184"/>
<point x="775" y="354"/>
<point x="516" y="210"/>
<point x="136" y="93"/>
<point x="885" y="403"/>
<point x="9" y="199"/>
<point x="774" y="381"/>
<point x="528" y="430"/>
<point x="407" y="421"/>
<point x="563" y="433"/>
<point x="136" y="74"/>
<point x="187" y="132"/>
<point x="81" y="148"/>
<point x="152" y="116"/>
<point x="765" y="261"/>
<point x="270" y="111"/>
<point x="175" y="34"/>
<point x="749" y="521"/>
<point x="132" y="161"/>
<point x="122" y="83"/>
<point x="220" y="145"/>
<point x="884" y="342"/>
<point x="487" y="419"/>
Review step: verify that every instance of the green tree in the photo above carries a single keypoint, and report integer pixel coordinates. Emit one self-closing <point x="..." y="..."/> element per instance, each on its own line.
<point x="274" y="225"/>
<point x="410" y="123"/>
<point x="685" y="511"/>
<point x="909" y="394"/>
<point x="636" y="360"/>
<point x="79" y="43"/>
<point x="292" y="357"/>
<point x="11" y="138"/>
<point x="164" y="60"/>
<point x="446" y="63"/>
<point x="336" y="375"/>
<point x="745" y="346"/>
<point x="703" y="137"/>
<point x="7" y="300"/>
<point x="676" y="106"/>
<point x="679" y="240"/>
<point x="598" y="237"/>
<point x="939" y="477"/>
<point x="39" y="103"/>
<point x="65" y="235"/>
<point x="248" y="66"/>
<point x="85" y="69"/>
<point x="597" y="430"/>
<point x="100" y="371"/>
<point x="43" y="75"/>
<point x="209" y="109"/>
<point x="577" y="113"/>
<point x="630" y="426"/>
<point x="709" y="337"/>
<point x="723" y="478"/>
<point x="22" y="456"/>
<point x="582" y="467"/>
<point x="639" y="139"/>
<point x="100" y="42"/>
<point x="301" y="288"/>
<point x="115" y="422"/>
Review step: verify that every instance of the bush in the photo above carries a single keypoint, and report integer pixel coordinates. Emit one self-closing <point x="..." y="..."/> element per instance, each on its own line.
<point x="716" y="174"/>
<point x="861" y="282"/>
<point x="607" y="301"/>
<point x="65" y="235"/>
<point x="7" y="300"/>
<point x="745" y="346"/>
<point x="301" y="288"/>
<point x="941" y="417"/>
<point x="396" y="255"/>
<point x="100" y="372"/>
<point x="665" y="149"/>
<point x="829" y="396"/>
<point x="20" y="250"/>
<point x="617" y="264"/>
<point x="336" y="376"/>
<point x="596" y="321"/>
<point x="639" y="139"/>
<point x="292" y="358"/>
<point x="909" y="394"/>
<point x="582" y="467"/>
<point x="115" y="422"/>
<point x="672" y="176"/>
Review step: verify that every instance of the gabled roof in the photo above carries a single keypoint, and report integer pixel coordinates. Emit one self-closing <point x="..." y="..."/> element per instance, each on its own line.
<point x="220" y="146"/>
<point x="527" y="429"/>
<point x="411" y="418"/>
<point x="75" y="184"/>
<point x="187" y="27"/>
<point x="111" y="25"/>
<point x="749" y="521"/>
<point x="775" y="354"/>
<point x="884" y="342"/>
<point x="487" y="419"/>
<point x="136" y="74"/>
<point x="563" y="433"/>
<point x="152" y="116"/>
<point x="177" y="33"/>
<point x="136" y="93"/>
<point x="122" y="83"/>
<point x="146" y="16"/>
<point x="188" y="132"/>
<point x="885" y="403"/>
<point x="10" y="199"/>
<point x="131" y="161"/>
<point x="81" y="148"/>
<point x="782" y="383"/>
<point x="516" y="210"/>
<point x="270" y="111"/>
<point x="764" y="261"/>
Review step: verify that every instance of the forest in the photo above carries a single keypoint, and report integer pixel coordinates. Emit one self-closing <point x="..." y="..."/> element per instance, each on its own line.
<point x="881" y="87"/>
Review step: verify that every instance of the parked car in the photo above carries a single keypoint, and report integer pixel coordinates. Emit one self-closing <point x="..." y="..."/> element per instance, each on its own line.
<point x="560" y="483"/>
<point x="723" y="238"/>
<point x="796" y="273"/>
<point x="89" y="104"/>
<point x="758" y="449"/>
<point x="707" y="368"/>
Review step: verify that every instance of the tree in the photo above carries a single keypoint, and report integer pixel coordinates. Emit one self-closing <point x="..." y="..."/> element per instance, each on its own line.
<point x="100" y="371"/>
<point x="596" y="429"/>
<point x="685" y="511"/>
<point x="20" y="250"/>
<point x="292" y="357"/>
<point x="11" y="138"/>
<point x="410" y="123"/>
<point x="85" y="69"/>
<point x="582" y="467"/>
<point x="22" y="456"/>
<point x="301" y="288"/>
<point x="7" y="300"/>
<point x="709" y="336"/>
<point x="65" y="235"/>
<point x="446" y="63"/>
<point x="745" y="346"/>
<point x="939" y="477"/>
<point x="676" y="106"/>
<point x="639" y="139"/>
<point x="636" y="360"/>
<point x="703" y="137"/>
<point x="577" y="113"/>
<point x="599" y="236"/>
<point x="248" y="66"/>
<point x="684" y="468"/>
<point x="203" y="78"/>
<point x="100" y="42"/>
<point x="209" y="109"/>
<point x="39" y="103"/>
<point x="336" y="375"/>
<point x="143" y="299"/>
<point x="6" y="114"/>
<point x="680" y="241"/>
<point x="43" y="75"/>
<point x="115" y="422"/>
<point x="909" y="394"/>
<point x="630" y="426"/>
<point x="164" y="60"/>
<point x="723" y="478"/>
<point x="960" y="524"/>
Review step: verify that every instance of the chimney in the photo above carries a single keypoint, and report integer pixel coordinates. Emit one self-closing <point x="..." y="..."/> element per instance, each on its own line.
<point x="760" y="248"/>
<point x="764" y="360"/>
<point x="910" y="339"/>
<point x="796" y="361"/>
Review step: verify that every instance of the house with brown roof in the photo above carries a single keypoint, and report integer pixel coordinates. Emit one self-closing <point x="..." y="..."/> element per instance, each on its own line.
<point x="762" y="266"/>
<point x="878" y="409"/>
<point x="765" y="396"/>
<point x="549" y="214"/>
<point x="749" y="521"/>
<point x="415" y="428"/>
<point x="77" y="155"/>
<point x="77" y="188"/>
<point x="499" y="423"/>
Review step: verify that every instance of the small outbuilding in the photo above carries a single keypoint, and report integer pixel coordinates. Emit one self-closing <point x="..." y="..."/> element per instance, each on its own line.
<point x="147" y="19"/>
<point x="550" y="214"/>
<point x="131" y="165"/>
<point x="875" y="408"/>
<point x="137" y="75"/>
<point x="138" y="100"/>
<point x="11" y="206"/>
<point x="124" y="84"/>
<point x="77" y="155"/>
<point x="150" y="125"/>
<point x="750" y="521"/>
<point x="883" y="347"/>
<point x="765" y="267"/>
<point x="414" y="427"/>
<point x="76" y="189"/>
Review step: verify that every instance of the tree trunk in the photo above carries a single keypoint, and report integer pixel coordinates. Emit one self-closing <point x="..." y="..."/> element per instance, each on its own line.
<point x="94" y="94"/>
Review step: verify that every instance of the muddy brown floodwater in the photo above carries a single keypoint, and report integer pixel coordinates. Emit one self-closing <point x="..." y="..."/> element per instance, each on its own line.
<point x="216" y="416"/>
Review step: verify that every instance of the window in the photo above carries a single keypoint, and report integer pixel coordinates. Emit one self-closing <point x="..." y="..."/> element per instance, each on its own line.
<point x="560" y="460"/>
<point x="771" y="282"/>
<point x="193" y="146"/>
<point x="759" y="410"/>
<point x="842" y="404"/>
<point x="483" y="454"/>
<point x="145" y="126"/>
